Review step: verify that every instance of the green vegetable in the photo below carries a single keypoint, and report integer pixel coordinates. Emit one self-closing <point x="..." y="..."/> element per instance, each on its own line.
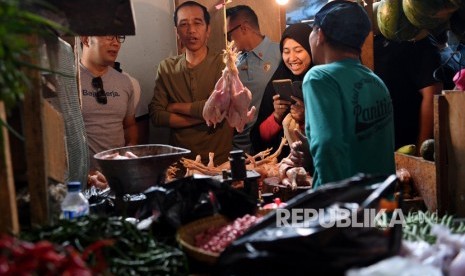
<point x="16" y="24"/>
<point x="418" y="226"/>
<point x="133" y="252"/>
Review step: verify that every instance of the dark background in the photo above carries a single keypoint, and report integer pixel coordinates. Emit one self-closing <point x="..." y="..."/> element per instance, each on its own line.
<point x="298" y="10"/>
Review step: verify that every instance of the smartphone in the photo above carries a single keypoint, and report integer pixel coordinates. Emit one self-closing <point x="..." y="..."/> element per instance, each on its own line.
<point x="297" y="85"/>
<point x="284" y="89"/>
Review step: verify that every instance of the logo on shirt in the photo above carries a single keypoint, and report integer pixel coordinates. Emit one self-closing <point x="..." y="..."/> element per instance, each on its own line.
<point x="369" y="119"/>
<point x="267" y="66"/>
<point x="94" y="93"/>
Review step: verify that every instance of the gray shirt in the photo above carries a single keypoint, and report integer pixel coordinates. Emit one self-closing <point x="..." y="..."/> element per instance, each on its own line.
<point x="104" y="122"/>
<point x="256" y="68"/>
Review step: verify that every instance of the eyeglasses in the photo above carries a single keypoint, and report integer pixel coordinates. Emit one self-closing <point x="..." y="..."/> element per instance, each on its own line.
<point x="229" y="33"/>
<point x="119" y="38"/>
<point x="101" y="96"/>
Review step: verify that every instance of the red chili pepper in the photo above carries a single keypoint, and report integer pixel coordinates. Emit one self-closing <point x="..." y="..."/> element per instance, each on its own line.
<point x="52" y="257"/>
<point x="4" y="266"/>
<point x="74" y="258"/>
<point x="96" y="249"/>
<point x="6" y="241"/>
<point x="96" y="246"/>
<point x="20" y="258"/>
<point x="42" y="247"/>
<point x="100" y="263"/>
<point x="73" y="271"/>
<point x="26" y="263"/>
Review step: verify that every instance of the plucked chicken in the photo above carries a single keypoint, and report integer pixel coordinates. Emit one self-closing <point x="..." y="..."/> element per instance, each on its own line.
<point x="230" y="99"/>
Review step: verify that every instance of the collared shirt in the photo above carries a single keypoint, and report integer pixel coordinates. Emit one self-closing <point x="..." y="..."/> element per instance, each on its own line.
<point x="256" y="68"/>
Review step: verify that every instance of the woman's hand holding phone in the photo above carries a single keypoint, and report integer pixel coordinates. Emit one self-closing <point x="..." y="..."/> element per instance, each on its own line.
<point x="281" y="108"/>
<point x="284" y="89"/>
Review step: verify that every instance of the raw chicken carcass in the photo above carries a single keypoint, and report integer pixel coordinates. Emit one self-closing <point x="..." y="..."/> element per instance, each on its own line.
<point x="289" y="125"/>
<point x="230" y="99"/>
<point x="239" y="114"/>
<point x="292" y="176"/>
<point x="296" y="176"/>
<point x="217" y="106"/>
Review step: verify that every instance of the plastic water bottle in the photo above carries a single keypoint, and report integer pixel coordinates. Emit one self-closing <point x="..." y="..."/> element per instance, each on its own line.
<point x="75" y="203"/>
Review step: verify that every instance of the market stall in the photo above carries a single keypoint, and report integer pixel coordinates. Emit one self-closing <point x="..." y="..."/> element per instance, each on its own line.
<point x="227" y="218"/>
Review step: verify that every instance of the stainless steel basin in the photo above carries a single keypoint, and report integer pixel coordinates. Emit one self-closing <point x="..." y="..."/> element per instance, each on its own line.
<point x="130" y="176"/>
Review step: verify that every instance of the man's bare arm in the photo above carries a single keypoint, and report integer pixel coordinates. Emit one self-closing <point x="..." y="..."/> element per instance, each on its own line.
<point x="130" y="130"/>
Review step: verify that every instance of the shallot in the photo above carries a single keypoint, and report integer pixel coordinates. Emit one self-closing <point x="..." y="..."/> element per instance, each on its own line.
<point x="216" y="239"/>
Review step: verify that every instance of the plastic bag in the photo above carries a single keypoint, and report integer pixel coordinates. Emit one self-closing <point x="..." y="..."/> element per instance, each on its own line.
<point x="188" y="199"/>
<point x="397" y="266"/>
<point x="273" y="248"/>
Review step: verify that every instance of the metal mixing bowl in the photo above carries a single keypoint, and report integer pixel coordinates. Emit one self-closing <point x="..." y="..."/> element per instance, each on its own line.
<point x="130" y="176"/>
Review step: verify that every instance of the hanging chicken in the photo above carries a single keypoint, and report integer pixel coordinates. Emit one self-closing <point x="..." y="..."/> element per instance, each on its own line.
<point x="230" y="99"/>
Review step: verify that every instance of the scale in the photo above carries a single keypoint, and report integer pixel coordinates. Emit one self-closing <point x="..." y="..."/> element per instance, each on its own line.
<point x="239" y="177"/>
<point x="107" y="202"/>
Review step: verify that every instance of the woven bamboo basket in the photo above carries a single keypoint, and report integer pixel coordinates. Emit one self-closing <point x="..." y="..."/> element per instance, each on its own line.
<point x="186" y="235"/>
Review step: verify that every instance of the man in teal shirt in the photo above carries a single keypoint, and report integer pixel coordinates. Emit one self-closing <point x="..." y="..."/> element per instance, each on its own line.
<point x="348" y="110"/>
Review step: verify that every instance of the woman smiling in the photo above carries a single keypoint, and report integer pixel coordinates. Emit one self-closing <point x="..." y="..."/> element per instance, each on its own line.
<point x="296" y="61"/>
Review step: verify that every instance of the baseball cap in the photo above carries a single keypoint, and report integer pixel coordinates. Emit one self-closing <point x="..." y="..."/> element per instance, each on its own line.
<point x="345" y="22"/>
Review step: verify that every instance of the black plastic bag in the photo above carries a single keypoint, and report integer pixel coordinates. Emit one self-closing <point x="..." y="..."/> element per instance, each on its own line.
<point x="312" y="249"/>
<point x="188" y="199"/>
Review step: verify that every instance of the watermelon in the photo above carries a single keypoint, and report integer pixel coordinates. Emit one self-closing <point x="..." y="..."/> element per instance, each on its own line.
<point x="393" y="23"/>
<point x="429" y="14"/>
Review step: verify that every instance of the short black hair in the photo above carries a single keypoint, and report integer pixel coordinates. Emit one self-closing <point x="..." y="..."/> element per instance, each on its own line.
<point x="206" y="15"/>
<point x="243" y="11"/>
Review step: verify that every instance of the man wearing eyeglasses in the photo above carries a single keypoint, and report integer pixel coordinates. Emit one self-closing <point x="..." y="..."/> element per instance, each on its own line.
<point x="107" y="96"/>
<point x="183" y="85"/>
<point x="257" y="62"/>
